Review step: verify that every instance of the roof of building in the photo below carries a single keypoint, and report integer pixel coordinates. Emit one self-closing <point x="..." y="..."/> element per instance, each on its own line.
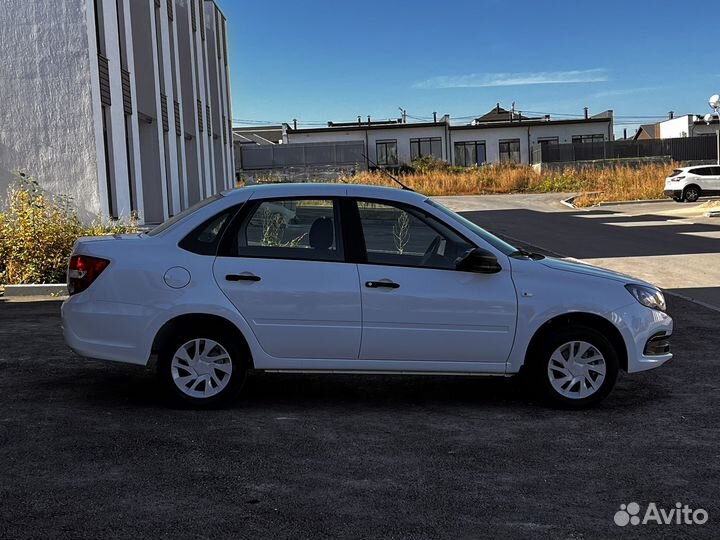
<point x="363" y="126"/>
<point x="650" y="129"/>
<point x="498" y="114"/>
<point x="534" y="122"/>
<point x="257" y="135"/>
<point x="518" y="121"/>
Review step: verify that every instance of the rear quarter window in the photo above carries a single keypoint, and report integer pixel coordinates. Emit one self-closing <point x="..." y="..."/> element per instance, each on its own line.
<point x="205" y="238"/>
<point x="185" y="213"/>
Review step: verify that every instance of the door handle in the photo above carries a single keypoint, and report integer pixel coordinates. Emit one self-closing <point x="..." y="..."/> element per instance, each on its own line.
<point x="377" y="284"/>
<point x="242" y="277"/>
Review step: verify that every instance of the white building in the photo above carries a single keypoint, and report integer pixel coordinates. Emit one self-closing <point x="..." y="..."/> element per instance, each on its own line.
<point x="689" y="125"/>
<point x="123" y="105"/>
<point x="500" y="135"/>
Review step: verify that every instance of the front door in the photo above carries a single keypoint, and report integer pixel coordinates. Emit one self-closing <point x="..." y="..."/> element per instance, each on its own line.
<point x="284" y="271"/>
<point x="416" y="307"/>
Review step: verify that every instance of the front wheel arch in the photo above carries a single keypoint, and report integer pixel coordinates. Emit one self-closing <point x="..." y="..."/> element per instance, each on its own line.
<point x="580" y="319"/>
<point x="196" y="320"/>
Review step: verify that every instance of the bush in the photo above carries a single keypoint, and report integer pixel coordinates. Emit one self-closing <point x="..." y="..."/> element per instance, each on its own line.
<point x="37" y="233"/>
<point x="428" y="164"/>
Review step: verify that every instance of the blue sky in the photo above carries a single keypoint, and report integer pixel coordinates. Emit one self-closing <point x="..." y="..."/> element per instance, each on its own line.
<point x="319" y="60"/>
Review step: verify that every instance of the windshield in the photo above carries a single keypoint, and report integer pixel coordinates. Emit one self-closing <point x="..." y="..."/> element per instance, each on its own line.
<point x="494" y="241"/>
<point x="185" y="213"/>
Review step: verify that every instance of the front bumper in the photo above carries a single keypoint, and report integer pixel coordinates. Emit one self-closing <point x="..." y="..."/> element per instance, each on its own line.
<point x="641" y="328"/>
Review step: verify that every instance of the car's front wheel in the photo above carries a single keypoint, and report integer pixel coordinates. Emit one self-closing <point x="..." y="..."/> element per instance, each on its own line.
<point x="202" y="368"/>
<point x="575" y="367"/>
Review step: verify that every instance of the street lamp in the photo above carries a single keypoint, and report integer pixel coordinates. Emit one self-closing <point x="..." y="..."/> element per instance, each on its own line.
<point x="714" y="103"/>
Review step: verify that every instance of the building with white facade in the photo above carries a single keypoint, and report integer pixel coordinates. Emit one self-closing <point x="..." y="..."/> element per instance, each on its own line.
<point x="122" y="105"/>
<point x="498" y="136"/>
<point x="688" y="125"/>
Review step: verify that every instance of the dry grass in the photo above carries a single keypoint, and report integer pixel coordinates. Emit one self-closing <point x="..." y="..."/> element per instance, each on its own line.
<point x="592" y="185"/>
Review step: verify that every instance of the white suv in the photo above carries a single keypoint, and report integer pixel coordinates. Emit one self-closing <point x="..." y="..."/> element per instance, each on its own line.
<point x="690" y="183"/>
<point x="349" y="278"/>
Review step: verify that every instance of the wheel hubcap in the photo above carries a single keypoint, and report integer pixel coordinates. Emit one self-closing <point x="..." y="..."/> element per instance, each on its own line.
<point x="201" y="368"/>
<point x="576" y="369"/>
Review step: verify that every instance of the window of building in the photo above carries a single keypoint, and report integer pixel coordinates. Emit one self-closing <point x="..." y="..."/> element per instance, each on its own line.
<point x="469" y="153"/>
<point x="291" y="229"/>
<point x="544" y="141"/>
<point x="588" y="139"/>
<point x="510" y="150"/>
<point x="386" y="152"/>
<point x="426" y="147"/>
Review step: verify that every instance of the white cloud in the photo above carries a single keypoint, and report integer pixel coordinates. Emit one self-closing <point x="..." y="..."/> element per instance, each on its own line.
<point x="486" y="80"/>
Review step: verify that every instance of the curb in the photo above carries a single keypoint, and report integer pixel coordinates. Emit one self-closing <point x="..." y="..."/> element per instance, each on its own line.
<point x="44" y="289"/>
<point x="639" y="201"/>
<point x="570" y="202"/>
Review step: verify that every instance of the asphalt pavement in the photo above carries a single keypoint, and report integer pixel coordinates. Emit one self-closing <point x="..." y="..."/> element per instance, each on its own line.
<point x="88" y="449"/>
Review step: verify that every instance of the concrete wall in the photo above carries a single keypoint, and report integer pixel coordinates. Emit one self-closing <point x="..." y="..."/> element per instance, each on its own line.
<point x="45" y="99"/>
<point x="115" y="156"/>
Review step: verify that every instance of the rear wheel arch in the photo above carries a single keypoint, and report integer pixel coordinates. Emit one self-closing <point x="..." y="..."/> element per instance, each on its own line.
<point x="193" y="321"/>
<point x="590" y="320"/>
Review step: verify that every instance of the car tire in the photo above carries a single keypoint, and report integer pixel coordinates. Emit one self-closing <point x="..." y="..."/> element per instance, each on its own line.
<point x="202" y="367"/>
<point x="575" y="367"/>
<point x="691" y="194"/>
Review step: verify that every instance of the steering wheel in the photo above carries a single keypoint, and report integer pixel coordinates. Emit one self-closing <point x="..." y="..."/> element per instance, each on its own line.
<point x="431" y="250"/>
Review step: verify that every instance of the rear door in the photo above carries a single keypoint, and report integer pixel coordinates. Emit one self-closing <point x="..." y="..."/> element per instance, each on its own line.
<point x="283" y="267"/>
<point x="417" y="308"/>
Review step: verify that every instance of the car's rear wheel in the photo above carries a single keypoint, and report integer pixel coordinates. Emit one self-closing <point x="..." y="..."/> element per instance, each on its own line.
<point x="691" y="194"/>
<point x="575" y="367"/>
<point x="202" y="368"/>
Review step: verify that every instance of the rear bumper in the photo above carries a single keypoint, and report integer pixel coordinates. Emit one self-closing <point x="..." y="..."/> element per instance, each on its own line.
<point x="673" y="193"/>
<point x="106" y="330"/>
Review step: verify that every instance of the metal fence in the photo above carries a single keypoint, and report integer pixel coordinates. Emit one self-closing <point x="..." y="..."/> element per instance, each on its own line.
<point x="679" y="149"/>
<point x="301" y="155"/>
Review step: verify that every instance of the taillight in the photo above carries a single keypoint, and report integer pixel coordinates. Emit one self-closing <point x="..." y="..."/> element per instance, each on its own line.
<point x="677" y="178"/>
<point x="83" y="270"/>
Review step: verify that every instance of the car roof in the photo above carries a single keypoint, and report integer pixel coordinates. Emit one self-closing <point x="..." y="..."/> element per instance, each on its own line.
<point x="697" y="167"/>
<point x="317" y="189"/>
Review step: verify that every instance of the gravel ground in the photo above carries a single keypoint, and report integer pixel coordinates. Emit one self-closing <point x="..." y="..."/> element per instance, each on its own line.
<point x="89" y="450"/>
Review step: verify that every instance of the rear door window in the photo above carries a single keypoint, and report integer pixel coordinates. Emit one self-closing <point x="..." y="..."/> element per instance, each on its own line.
<point x="306" y="229"/>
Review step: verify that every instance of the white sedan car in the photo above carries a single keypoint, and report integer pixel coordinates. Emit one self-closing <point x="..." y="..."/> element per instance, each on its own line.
<point x="350" y="278"/>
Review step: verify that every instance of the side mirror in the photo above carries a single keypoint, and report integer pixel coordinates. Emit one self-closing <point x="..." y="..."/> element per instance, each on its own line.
<point x="478" y="260"/>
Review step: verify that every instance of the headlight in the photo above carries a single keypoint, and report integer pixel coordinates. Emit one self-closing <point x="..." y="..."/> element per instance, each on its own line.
<point x="647" y="296"/>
